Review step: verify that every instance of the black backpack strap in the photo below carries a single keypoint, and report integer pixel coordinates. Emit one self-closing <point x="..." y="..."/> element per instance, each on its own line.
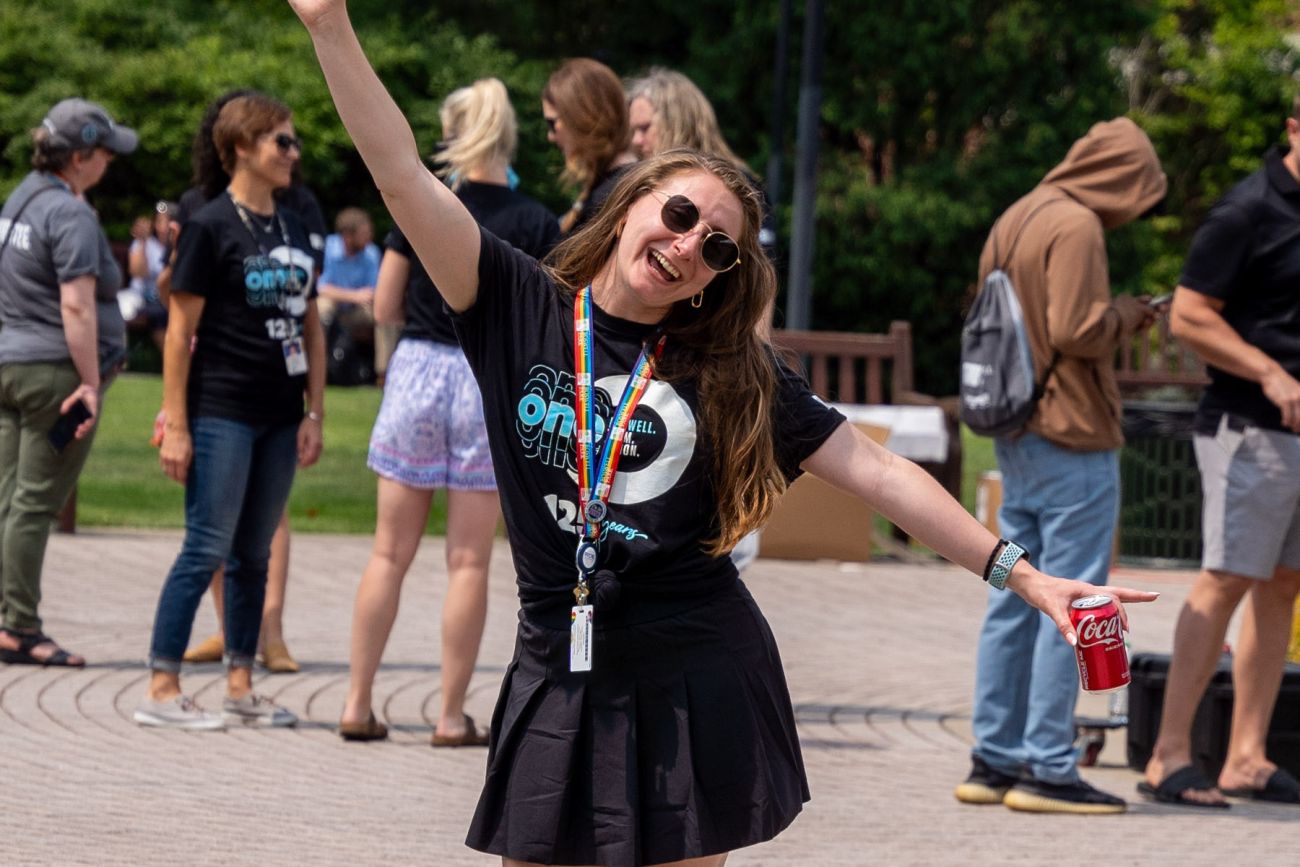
<point x="1040" y="387"/>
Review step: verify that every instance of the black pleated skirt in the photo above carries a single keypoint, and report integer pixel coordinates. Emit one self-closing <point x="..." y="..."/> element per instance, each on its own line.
<point x="679" y="743"/>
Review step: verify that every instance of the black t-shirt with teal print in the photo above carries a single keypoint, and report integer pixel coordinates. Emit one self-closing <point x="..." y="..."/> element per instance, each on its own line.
<point x="255" y="297"/>
<point x="518" y="338"/>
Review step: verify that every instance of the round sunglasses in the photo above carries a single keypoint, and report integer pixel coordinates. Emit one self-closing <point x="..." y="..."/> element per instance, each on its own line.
<point x="718" y="251"/>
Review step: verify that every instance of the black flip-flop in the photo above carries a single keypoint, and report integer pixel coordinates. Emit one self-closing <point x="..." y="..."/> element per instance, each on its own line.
<point x="1281" y="788"/>
<point x="1172" y="787"/>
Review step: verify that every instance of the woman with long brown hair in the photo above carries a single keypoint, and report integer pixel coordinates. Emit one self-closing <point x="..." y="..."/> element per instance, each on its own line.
<point x="640" y="426"/>
<point x="586" y="118"/>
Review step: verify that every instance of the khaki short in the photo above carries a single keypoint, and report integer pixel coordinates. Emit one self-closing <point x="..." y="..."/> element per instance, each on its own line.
<point x="1250" y="479"/>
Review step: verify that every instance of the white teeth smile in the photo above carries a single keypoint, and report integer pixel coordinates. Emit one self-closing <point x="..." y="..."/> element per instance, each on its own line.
<point x="666" y="265"/>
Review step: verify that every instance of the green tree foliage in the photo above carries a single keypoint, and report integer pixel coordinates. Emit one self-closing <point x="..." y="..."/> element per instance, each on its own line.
<point x="157" y="65"/>
<point x="936" y="115"/>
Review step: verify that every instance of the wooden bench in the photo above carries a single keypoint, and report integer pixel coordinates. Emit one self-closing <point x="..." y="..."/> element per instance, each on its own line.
<point x="846" y="367"/>
<point x="1154" y="359"/>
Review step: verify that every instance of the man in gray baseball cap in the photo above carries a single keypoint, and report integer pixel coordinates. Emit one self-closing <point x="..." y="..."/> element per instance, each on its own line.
<point x="79" y="124"/>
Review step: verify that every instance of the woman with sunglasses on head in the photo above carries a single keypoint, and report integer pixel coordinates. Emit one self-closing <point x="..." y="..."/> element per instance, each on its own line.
<point x="235" y="428"/>
<point x="62" y="340"/>
<point x="586" y="118"/>
<point x="430" y="433"/>
<point x="639" y="427"/>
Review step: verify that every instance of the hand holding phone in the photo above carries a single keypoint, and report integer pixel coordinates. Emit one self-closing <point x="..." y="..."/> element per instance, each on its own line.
<point x="64" y="430"/>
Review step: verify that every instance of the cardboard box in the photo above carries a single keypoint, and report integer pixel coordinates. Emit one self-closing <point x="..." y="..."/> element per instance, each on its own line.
<point x="988" y="499"/>
<point x="814" y="521"/>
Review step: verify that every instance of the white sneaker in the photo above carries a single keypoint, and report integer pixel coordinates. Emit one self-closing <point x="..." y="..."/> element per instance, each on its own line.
<point x="178" y="713"/>
<point x="256" y="710"/>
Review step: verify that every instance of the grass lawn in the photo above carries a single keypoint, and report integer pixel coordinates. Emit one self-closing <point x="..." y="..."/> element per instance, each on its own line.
<point x="122" y="485"/>
<point x="976" y="458"/>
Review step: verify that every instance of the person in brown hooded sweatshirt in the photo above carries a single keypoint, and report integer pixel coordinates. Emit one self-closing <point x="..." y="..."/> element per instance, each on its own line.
<point x="1060" y="475"/>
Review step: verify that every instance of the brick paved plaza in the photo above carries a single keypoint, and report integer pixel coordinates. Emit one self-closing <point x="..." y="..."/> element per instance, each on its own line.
<point x="879" y="659"/>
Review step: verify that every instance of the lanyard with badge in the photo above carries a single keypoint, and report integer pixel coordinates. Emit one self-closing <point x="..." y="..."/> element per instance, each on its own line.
<point x="596" y="473"/>
<point x="295" y="356"/>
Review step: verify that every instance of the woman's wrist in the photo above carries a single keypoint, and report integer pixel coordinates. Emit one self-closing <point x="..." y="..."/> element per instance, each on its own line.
<point x="317" y="416"/>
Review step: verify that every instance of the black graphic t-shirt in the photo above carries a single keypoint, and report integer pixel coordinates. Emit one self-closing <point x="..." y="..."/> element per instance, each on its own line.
<point x="255" y="297"/>
<point x="518" y="338"/>
<point x="510" y="215"/>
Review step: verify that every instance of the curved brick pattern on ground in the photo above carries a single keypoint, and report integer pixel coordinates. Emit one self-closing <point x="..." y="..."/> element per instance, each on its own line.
<point x="879" y="660"/>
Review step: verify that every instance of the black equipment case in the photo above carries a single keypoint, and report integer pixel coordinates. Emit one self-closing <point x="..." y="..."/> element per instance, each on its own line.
<point x="1213" y="716"/>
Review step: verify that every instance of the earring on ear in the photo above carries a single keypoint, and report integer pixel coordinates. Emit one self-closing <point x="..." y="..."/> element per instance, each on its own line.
<point x="697" y="300"/>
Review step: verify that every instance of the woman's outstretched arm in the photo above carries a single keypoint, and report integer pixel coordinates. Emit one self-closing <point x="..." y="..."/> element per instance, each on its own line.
<point x="907" y="495"/>
<point x="441" y="231"/>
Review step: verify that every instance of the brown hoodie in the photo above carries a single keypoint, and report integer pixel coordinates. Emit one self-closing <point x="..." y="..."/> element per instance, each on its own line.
<point x="1110" y="177"/>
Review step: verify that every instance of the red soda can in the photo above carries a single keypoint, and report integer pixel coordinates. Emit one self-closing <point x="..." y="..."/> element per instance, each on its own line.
<point x="1103" y="659"/>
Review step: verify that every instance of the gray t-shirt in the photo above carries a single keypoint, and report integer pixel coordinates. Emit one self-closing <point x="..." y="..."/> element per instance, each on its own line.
<point x="56" y="239"/>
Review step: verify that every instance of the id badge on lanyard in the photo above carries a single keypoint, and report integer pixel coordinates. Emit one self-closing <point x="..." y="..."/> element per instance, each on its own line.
<point x="596" y="476"/>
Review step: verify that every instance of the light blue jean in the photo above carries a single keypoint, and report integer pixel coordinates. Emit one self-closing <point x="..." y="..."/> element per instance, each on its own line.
<point x="1061" y="507"/>
<point x="235" y="493"/>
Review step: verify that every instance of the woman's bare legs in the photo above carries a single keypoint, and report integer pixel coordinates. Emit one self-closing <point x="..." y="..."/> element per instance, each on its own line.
<point x="403" y="513"/>
<point x="471" y="525"/>
<point x="277" y="580"/>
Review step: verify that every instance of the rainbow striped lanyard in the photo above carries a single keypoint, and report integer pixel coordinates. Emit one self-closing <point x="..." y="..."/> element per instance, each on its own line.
<point x="596" y="478"/>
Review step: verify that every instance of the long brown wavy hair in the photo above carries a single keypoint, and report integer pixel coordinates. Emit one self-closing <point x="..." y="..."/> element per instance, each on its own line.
<point x="718" y="345"/>
<point x="589" y="100"/>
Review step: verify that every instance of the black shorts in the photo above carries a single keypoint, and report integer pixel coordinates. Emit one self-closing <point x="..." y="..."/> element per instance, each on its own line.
<point x="679" y="743"/>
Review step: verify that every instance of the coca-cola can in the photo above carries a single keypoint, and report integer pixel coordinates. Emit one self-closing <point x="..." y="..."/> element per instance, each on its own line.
<point x="1103" y="659"/>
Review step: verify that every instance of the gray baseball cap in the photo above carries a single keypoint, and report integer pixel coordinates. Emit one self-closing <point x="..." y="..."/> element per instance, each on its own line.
<point x="80" y="124"/>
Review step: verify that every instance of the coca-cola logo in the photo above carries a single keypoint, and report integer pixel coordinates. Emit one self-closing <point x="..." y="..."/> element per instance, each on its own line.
<point x="1105" y="631"/>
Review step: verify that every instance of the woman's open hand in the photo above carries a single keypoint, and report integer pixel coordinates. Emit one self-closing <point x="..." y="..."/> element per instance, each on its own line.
<point x="1053" y="596"/>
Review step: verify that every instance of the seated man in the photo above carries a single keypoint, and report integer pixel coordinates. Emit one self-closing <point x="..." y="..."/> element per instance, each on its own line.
<point x="347" y="283"/>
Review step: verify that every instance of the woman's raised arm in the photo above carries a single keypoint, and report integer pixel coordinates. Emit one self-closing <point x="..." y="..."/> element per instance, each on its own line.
<point x="440" y="230"/>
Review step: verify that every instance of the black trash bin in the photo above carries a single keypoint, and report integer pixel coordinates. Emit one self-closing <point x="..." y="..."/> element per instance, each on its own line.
<point x="1160" y="487"/>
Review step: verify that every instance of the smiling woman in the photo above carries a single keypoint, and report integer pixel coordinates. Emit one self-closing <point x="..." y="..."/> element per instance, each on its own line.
<point x="242" y="296"/>
<point x="649" y="723"/>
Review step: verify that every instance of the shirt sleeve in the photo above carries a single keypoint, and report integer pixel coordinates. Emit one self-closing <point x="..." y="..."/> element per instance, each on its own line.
<point x="196" y="260"/>
<point x="74" y="242"/>
<point x="803" y="421"/>
<point x="512" y="290"/>
<point x="1218" y="252"/>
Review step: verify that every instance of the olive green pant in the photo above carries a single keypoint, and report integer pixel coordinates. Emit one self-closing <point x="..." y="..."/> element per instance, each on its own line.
<point x="35" y="480"/>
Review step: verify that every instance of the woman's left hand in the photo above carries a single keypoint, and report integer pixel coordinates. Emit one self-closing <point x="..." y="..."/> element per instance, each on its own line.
<point x="1053" y="596"/>
<point x="310" y="441"/>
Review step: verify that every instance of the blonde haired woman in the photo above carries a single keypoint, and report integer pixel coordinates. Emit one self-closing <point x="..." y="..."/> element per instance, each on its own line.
<point x="650" y="722"/>
<point x="430" y="434"/>
<point x="666" y="110"/>
<point x="586" y="118"/>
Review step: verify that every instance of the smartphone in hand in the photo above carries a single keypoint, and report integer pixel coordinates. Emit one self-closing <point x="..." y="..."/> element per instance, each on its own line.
<point x="64" y="430"/>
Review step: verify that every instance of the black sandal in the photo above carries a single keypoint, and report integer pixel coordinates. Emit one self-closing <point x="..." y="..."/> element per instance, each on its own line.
<point x="27" y="641"/>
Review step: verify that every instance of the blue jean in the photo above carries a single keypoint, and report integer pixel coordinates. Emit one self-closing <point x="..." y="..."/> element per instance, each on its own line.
<point x="235" y="493"/>
<point x="1061" y="507"/>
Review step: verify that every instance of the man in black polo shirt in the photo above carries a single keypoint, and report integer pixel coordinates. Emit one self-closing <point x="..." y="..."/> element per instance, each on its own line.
<point x="1238" y="307"/>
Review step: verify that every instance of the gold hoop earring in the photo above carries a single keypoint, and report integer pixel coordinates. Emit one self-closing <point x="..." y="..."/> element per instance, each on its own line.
<point x="697" y="300"/>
